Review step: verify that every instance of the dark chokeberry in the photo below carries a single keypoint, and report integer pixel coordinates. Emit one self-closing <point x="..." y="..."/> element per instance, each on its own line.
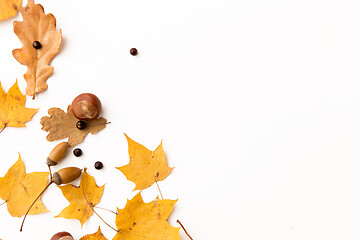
<point x="98" y="165"/>
<point x="36" y="45"/>
<point x="77" y="152"/>
<point x="133" y="51"/>
<point x="81" y="125"/>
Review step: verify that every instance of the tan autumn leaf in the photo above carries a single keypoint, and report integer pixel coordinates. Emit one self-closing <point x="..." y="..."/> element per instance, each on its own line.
<point x="139" y="220"/>
<point x="145" y="167"/>
<point x="95" y="236"/>
<point x="9" y="8"/>
<point x="19" y="189"/>
<point x="41" y="27"/>
<point x="62" y="125"/>
<point x="13" y="112"/>
<point x="82" y="199"/>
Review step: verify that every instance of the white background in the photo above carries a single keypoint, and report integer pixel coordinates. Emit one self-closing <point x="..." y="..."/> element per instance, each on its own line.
<point x="257" y="103"/>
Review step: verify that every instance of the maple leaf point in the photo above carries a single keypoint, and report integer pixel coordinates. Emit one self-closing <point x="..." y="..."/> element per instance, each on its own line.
<point x="82" y="199"/>
<point x="19" y="189"/>
<point x="95" y="236"/>
<point x="139" y="220"/>
<point x="13" y="112"/>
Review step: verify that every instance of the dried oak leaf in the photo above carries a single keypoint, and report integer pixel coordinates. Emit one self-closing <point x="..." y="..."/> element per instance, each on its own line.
<point x="62" y="125"/>
<point x="145" y="167"/>
<point x="82" y="199"/>
<point x="139" y="220"/>
<point x="9" y="8"/>
<point x="41" y="27"/>
<point x="13" y="112"/>
<point x="19" y="189"/>
<point x="95" y="236"/>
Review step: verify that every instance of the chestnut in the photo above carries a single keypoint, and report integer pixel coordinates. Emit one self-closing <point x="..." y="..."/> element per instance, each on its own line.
<point x="62" y="236"/>
<point x="86" y="106"/>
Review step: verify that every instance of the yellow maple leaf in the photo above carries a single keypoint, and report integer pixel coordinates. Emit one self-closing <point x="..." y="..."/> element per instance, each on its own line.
<point x="40" y="28"/>
<point x="82" y="199"/>
<point x="13" y="112"/>
<point x="9" y="8"/>
<point x="145" y="167"/>
<point x="139" y="220"/>
<point x="19" y="189"/>
<point x="95" y="236"/>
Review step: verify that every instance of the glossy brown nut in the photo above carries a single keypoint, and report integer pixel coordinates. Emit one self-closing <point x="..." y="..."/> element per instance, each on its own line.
<point x="86" y="106"/>
<point x="62" y="236"/>
<point x="66" y="175"/>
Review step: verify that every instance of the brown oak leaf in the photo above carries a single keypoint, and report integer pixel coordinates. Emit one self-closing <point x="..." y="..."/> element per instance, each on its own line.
<point x="62" y="125"/>
<point x="40" y="27"/>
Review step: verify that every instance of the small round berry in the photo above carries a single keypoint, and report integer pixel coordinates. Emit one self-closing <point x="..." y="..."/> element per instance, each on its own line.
<point x="77" y="152"/>
<point x="133" y="51"/>
<point x="98" y="165"/>
<point x="81" y="125"/>
<point x="36" y="45"/>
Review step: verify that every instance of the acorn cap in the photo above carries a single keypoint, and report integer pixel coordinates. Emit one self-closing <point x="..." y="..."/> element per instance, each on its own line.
<point x="50" y="162"/>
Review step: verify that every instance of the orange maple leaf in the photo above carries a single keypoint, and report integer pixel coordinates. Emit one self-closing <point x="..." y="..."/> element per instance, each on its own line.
<point x="82" y="199"/>
<point x="41" y="43"/>
<point x="13" y="112"/>
<point x="95" y="236"/>
<point x="139" y="220"/>
<point x="19" y="190"/>
<point x="9" y="8"/>
<point x="145" y="167"/>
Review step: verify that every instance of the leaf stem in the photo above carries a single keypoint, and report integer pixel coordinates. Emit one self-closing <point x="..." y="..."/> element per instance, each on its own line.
<point x="178" y="221"/>
<point x="3" y="203"/>
<point x="159" y="190"/>
<point x="22" y="224"/>
<point x="92" y="208"/>
<point x="51" y="177"/>
<point x="103" y="220"/>
<point x="100" y="124"/>
<point x="106" y="210"/>
<point x="3" y="128"/>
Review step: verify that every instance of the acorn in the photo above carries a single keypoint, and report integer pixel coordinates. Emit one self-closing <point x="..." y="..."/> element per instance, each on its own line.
<point x="57" y="154"/>
<point x="86" y="107"/>
<point x="62" y="236"/>
<point x="66" y="175"/>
